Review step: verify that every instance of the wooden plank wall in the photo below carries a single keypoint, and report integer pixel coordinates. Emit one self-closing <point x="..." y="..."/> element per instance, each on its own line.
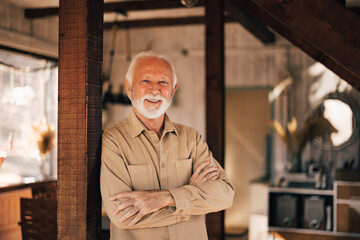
<point x="80" y="90"/>
<point x="38" y="36"/>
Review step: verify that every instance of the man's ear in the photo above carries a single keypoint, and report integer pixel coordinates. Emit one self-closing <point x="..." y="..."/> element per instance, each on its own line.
<point x="128" y="88"/>
<point x="175" y="89"/>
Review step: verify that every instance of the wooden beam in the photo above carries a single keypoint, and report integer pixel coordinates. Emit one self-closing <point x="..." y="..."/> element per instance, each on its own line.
<point x="254" y="26"/>
<point x="160" y="22"/>
<point x="214" y="67"/>
<point x="325" y="30"/>
<point x="79" y="119"/>
<point x="116" y="7"/>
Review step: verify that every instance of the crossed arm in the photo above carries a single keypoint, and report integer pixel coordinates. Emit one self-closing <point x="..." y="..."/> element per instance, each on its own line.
<point x="142" y="203"/>
<point x="208" y="190"/>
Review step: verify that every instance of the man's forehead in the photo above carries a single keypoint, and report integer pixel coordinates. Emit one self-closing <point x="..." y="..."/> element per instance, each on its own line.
<point x="152" y="61"/>
<point x="151" y="64"/>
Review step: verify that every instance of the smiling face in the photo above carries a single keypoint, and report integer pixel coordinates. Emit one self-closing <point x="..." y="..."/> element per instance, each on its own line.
<point x="152" y="87"/>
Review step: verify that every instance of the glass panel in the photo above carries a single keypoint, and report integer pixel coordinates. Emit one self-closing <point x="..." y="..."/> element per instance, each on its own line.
<point x="28" y="95"/>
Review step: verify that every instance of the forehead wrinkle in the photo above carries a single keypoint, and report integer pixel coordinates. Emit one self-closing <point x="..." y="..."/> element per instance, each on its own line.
<point x="150" y="75"/>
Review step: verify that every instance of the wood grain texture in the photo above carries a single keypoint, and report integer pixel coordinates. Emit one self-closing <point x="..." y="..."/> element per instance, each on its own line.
<point x="159" y="22"/>
<point x="249" y="22"/>
<point x="79" y="128"/>
<point x="10" y="213"/>
<point x="325" y="30"/>
<point x="214" y="67"/>
<point x="120" y="6"/>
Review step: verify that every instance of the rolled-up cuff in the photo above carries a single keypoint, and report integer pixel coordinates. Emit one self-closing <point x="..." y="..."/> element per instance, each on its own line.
<point x="181" y="200"/>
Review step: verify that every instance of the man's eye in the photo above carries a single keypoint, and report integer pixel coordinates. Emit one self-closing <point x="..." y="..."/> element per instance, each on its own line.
<point x="163" y="82"/>
<point x="145" y="81"/>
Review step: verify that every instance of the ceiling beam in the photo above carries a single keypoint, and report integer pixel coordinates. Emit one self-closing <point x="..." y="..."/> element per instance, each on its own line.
<point x="159" y="22"/>
<point x="250" y="23"/>
<point x="116" y="7"/>
<point x="325" y="30"/>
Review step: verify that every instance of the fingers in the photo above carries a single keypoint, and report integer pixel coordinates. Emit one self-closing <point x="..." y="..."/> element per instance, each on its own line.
<point x="210" y="176"/>
<point x="201" y="167"/>
<point x="129" y="214"/>
<point x="137" y="218"/>
<point x="197" y="171"/>
<point x="215" y="177"/>
<point x="123" y="195"/>
<point x="207" y="173"/>
<point x="208" y="170"/>
<point x="122" y="206"/>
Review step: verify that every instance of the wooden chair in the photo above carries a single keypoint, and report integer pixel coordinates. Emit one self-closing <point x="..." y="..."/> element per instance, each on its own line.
<point x="45" y="190"/>
<point x="38" y="219"/>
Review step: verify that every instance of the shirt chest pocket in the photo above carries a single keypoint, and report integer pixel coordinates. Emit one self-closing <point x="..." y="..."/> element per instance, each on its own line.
<point x="141" y="177"/>
<point x="183" y="171"/>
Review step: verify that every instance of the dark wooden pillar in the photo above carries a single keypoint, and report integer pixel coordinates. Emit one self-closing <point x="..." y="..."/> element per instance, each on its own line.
<point x="80" y="89"/>
<point x="214" y="64"/>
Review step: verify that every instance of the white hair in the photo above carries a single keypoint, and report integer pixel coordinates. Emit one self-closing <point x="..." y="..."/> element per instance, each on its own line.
<point x="129" y="74"/>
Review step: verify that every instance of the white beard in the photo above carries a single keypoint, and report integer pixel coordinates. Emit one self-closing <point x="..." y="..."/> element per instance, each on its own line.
<point x="152" y="112"/>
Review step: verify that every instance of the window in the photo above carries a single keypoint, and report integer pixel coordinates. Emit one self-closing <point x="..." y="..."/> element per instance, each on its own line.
<point x="28" y="95"/>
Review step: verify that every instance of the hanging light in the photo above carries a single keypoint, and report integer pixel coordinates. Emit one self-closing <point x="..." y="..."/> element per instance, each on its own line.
<point x="189" y="3"/>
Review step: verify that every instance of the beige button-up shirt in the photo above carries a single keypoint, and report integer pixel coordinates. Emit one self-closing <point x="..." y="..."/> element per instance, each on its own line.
<point x="134" y="158"/>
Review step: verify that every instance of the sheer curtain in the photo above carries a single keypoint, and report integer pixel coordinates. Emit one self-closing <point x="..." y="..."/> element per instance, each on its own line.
<point x="28" y="97"/>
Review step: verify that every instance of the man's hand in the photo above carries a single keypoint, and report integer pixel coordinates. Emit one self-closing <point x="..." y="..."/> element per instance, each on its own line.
<point x="141" y="203"/>
<point x="204" y="173"/>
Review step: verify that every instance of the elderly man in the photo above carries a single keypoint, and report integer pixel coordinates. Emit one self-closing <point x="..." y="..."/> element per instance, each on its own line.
<point x="158" y="178"/>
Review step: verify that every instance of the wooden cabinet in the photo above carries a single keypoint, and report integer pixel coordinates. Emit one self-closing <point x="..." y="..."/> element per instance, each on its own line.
<point x="335" y="214"/>
<point x="348" y="207"/>
<point x="10" y="213"/>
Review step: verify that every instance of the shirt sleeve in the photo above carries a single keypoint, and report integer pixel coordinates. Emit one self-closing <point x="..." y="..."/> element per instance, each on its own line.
<point x="211" y="196"/>
<point x="114" y="178"/>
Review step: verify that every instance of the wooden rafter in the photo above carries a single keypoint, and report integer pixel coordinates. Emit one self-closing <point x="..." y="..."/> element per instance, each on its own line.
<point x="159" y="22"/>
<point x="250" y="23"/>
<point x="325" y="30"/>
<point x="116" y="7"/>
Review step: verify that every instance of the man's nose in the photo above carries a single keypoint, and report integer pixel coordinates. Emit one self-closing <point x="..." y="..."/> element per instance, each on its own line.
<point x="154" y="89"/>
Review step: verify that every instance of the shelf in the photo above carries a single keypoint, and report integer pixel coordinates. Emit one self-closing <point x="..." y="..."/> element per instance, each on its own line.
<point x="302" y="230"/>
<point x="304" y="191"/>
<point x="311" y="231"/>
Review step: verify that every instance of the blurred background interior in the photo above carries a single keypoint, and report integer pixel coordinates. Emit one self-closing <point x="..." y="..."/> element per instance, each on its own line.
<point x="292" y="143"/>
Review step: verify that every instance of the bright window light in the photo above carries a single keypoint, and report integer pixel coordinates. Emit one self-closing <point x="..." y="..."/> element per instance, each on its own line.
<point x="340" y="116"/>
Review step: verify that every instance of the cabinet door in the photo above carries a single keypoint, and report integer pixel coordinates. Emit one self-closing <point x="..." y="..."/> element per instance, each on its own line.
<point x="348" y="207"/>
<point x="348" y="217"/>
<point x="10" y="213"/>
<point x="351" y="192"/>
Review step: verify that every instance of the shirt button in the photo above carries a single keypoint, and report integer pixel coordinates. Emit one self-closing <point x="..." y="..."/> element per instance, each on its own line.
<point x="162" y="165"/>
<point x="182" y="218"/>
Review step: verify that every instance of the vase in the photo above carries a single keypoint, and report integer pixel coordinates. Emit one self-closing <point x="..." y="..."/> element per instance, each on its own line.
<point x="43" y="168"/>
<point x="296" y="162"/>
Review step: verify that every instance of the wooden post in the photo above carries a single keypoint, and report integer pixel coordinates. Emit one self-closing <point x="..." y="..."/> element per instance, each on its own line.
<point x="214" y="65"/>
<point x="80" y="89"/>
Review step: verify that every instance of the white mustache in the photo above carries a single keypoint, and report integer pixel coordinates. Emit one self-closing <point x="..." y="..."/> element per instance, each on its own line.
<point x="153" y="97"/>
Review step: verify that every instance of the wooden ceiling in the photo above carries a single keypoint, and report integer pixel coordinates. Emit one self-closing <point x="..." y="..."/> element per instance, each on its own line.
<point x="326" y="30"/>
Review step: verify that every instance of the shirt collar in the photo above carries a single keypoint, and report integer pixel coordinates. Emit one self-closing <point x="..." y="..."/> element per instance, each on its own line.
<point x="137" y="127"/>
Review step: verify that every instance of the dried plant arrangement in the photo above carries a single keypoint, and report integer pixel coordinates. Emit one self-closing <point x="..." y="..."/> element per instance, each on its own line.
<point x="296" y="138"/>
<point x="45" y="136"/>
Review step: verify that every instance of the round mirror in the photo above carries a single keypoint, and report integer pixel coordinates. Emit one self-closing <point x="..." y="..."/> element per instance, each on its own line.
<point x="343" y="114"/>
